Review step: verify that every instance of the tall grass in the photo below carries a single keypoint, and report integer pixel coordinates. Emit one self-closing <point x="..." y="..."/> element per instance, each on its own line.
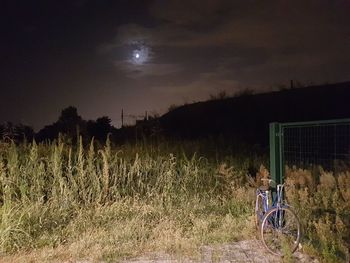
<point x="322" y="200"/>
<point x="109" y="203"/>
<point x="62" y="202"/>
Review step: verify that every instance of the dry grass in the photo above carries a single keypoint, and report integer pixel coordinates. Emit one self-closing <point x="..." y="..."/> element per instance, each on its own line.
<point x="62" y="203"/>
<point x="322" y="201"/>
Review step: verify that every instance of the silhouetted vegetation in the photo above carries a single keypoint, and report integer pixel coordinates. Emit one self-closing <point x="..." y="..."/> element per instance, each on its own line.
<point x="243" y="117"/>
<point x="247" y="117"/>
<point x="100" y="128"/>
<point x="16" y="132"/>
<point x="72" y="125"/>
<point x="68" y="123"/>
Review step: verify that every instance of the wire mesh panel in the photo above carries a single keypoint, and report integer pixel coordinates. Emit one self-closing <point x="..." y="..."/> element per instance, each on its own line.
<point x="327" y="145"/>
<point x="309" y="144"/>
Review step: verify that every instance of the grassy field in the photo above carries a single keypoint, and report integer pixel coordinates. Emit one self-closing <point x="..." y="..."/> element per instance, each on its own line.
<point x="322" y="201"/>
<point x="62" y="202"/>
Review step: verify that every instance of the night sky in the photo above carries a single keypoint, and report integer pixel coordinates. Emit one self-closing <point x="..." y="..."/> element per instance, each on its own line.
<point x="102" y="56"/>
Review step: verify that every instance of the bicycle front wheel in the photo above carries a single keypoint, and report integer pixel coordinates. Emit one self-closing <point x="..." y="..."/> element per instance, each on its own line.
<point x="280" y="231"/>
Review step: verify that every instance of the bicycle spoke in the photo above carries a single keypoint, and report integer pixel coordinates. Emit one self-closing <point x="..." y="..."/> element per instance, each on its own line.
<point x="280" y="231"/>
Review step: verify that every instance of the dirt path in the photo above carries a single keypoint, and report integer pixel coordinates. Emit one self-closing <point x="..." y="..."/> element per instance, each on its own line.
<point x="251" y="251"/>
<point x="243" y="251"/>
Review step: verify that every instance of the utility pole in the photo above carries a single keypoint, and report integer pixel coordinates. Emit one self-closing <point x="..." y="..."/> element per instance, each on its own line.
<point x="122" y="118"/>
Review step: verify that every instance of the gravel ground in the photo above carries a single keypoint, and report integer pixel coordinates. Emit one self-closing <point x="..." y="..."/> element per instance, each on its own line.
<point x="243" y="251"/>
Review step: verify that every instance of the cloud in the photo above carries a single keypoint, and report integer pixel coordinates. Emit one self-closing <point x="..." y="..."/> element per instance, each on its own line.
<point x="146" y="70"/>
<point x="224" y="44"/>
<point x="127" y="34"/>
<point x="190" y="14"/>
<point x="273" y="24"/>
<point x="205" y="84"/>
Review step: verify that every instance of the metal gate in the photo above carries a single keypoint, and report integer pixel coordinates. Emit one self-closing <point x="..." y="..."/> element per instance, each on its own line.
<point x="307" y="144"/>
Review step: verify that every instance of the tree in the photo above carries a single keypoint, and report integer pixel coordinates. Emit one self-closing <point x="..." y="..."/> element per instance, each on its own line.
<point x="2" y="130"/>
<point x="100" y="128"/>
<point x="17" y="133"/>
<point x="23" y="132"/>
<point x="70" y="123"/>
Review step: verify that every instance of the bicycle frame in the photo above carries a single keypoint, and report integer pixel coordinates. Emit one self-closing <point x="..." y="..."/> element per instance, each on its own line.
<point x="265" y="199"/>
<point x="266" y="196"/>
<point x="279" y="196"/>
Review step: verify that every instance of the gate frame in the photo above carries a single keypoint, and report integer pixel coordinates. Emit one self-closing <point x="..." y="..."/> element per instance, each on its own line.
<point x="276" y="132"/>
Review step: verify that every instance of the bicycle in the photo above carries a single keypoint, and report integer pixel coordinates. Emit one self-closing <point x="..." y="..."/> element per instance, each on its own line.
<point x="278" y="225"/>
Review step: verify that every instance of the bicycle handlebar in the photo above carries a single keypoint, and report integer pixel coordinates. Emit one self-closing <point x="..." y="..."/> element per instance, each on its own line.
<point x="270" y="181"/>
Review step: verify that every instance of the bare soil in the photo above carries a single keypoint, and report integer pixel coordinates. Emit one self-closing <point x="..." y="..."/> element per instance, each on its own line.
<point x="242" y="251"/>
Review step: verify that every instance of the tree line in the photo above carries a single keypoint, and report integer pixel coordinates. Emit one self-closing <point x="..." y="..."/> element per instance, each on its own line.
<point x="69" y="124"/>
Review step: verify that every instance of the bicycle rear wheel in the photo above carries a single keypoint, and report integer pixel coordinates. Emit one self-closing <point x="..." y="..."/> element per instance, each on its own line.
<point x="280" y="231"/>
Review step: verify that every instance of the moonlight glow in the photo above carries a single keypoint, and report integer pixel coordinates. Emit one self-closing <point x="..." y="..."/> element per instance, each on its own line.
<point x="140" y="55"/>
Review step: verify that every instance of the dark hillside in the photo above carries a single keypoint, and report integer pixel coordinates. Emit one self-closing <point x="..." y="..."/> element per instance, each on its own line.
<point x="247" y="117"/>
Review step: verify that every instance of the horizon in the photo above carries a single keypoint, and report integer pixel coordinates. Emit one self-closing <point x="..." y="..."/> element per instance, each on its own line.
<point x="139" y="56"/>
<point x="293" y="85"/>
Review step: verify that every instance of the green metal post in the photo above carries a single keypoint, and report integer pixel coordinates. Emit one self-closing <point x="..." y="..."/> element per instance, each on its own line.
<point x="276" y="144"/>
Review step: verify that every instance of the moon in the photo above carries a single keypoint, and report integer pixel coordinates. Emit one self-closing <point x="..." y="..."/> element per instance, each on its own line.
<point x="140" y="55"/>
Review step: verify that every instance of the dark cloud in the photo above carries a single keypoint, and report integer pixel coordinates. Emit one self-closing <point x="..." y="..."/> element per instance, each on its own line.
<point x="83" y="52"/>
<point x="289" y="38"/>
<point x="192" y="14"/>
